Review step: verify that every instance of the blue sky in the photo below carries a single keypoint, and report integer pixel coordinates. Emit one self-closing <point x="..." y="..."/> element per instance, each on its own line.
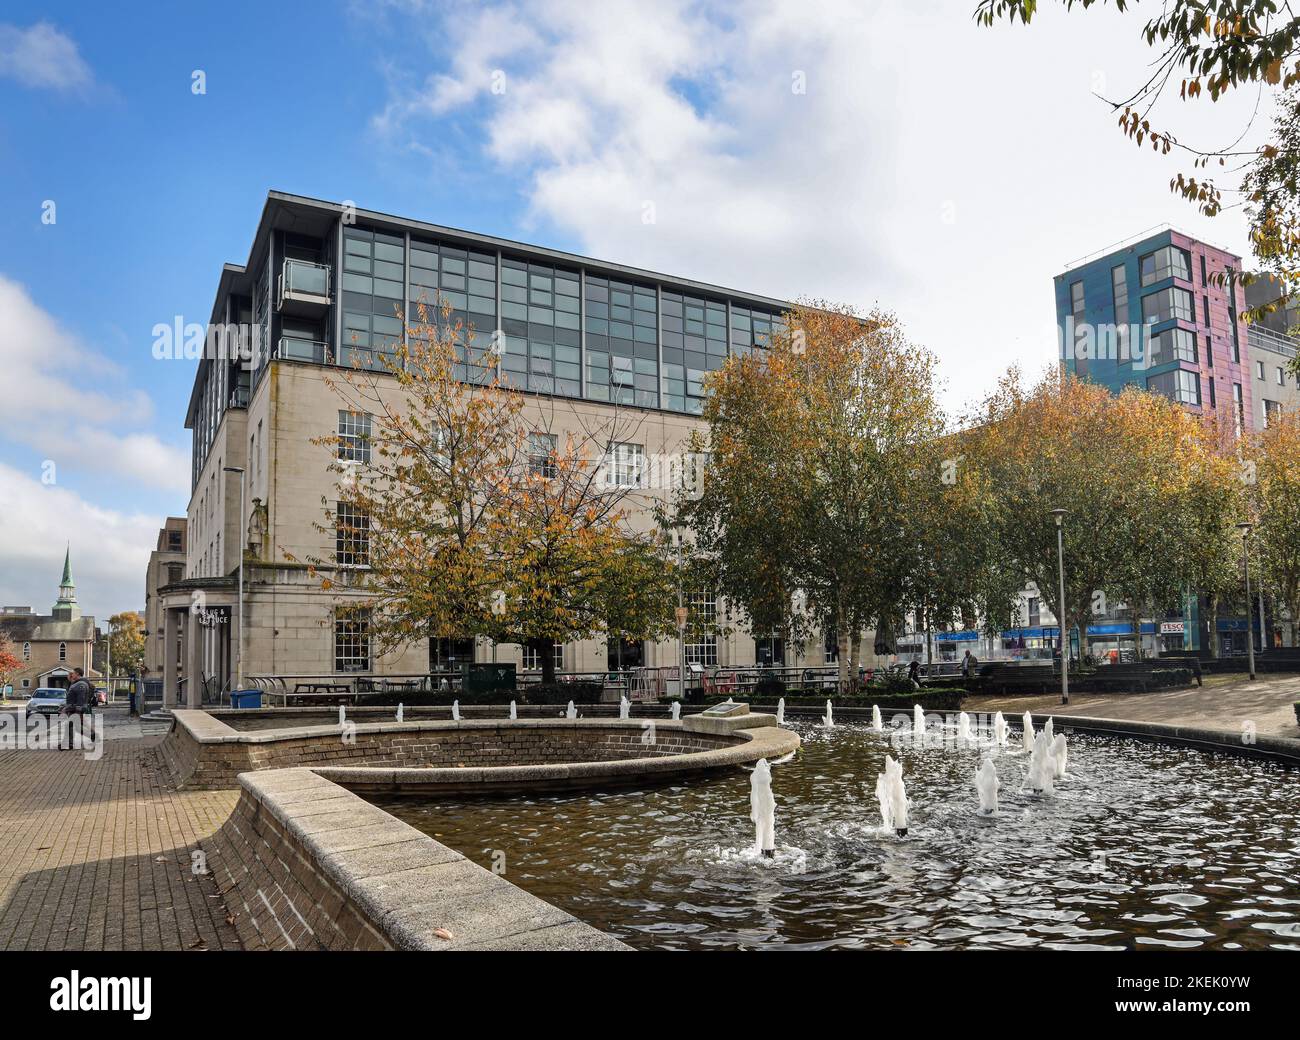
<point x="913" y="170"/>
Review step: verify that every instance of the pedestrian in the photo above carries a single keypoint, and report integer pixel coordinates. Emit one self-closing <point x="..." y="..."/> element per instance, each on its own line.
<point x="969" y="665"/>
<point x="80" y="702"/>
<point x="914" y="674"/>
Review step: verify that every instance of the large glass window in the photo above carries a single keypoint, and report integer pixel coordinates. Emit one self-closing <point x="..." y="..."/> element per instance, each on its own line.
<point x="465" y="282"/>
<point x="1173" y="345"/>
<point x="1181" y="386"/>
<point x="694" y="342"/>
<point x="1166" y="305"/>
<point x="1119" y="287"/>
<point x="1169" y="262"/>
<point x="622" y="342"/>
<point x="539" y="316"/>
<point x="372" y="283"/>
<point x="750" y="329"/>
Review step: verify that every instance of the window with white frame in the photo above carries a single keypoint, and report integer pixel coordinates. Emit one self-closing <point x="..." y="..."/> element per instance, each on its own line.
<point x="1281" y="376"/>
<point x="63" y="651"/>
<point x="624" y="465"/>
<point x="354" y="436"/>
<point x="701" y="643"/>
<point x="351" y="640"/>
<point x="533" y="660"/>
<point x="351" y="536"/>
<point x="27" y="651"/>
<point x="542" y="449"/>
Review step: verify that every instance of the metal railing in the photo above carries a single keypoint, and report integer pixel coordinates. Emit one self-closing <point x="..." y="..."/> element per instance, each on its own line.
<point x="306" y="277"/>
<point x="292" y="349"/>
<point x="1258" y="337"/>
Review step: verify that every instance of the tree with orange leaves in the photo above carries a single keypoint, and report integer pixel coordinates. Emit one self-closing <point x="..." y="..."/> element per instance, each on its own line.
<point x="568" y="563"/>
<point x="9" y="662"/>
<point x="1150" y="497"/>
<point x="812" y="516"/>
<point x="460" y="518"/>
<point x="1275" y="498"/>
<point x="414" y="517"/>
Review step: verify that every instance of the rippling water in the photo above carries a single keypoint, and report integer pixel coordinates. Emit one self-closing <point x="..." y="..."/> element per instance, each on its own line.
<point x="1142" y="845"/>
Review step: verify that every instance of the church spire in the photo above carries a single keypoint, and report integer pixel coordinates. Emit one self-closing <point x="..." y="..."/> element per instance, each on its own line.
<point x="66" y="608"/>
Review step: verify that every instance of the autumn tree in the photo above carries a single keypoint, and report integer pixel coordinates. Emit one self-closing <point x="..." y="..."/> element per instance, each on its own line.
<point x="1148" y="507"/>
<point x="126" y="643"/>
<point x="1205" y="50"/>
<point x="567" y="561"/>
<point x="461" y="515"/>
<point x="9" y="660"/>
<point x="418" y="497"/>
<point x="1275" y="497"/>
<point x="817" y="445"/>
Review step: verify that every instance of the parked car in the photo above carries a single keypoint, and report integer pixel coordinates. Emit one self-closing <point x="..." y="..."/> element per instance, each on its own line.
<point x="47" y="701"/>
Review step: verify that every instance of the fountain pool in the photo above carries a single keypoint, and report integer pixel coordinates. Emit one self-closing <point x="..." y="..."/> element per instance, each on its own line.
<point x="1141" y="845"/>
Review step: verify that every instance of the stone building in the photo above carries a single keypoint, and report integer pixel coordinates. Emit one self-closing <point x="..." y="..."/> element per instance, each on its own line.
<point x="166" y="565"/>
<point x="50" y="645"/>
<point x="324" y="287"/>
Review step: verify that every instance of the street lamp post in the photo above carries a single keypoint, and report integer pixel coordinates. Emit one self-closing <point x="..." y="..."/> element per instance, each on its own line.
<point x="1059" y="515"/>
<point x="240" y="527"/>
<point x="1244" y="528"/>
<point x="681" y="620"/>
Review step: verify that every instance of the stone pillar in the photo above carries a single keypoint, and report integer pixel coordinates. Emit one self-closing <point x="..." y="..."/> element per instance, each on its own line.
<point x="171" y="639"/>
<point x="194" y="640"/>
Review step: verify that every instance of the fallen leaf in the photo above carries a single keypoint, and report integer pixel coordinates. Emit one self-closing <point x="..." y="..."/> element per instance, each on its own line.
<point x="443" y="933"/>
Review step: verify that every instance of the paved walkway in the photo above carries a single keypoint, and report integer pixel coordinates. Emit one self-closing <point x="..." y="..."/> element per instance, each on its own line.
<point x="1267" y="702"/>
<point x="96" y="855"/>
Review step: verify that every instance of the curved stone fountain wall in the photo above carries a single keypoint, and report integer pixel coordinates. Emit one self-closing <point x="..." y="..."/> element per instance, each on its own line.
<point x="499" y="755"/>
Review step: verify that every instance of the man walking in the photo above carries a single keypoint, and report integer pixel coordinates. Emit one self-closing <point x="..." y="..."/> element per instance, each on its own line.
<point x="80" y="702"/>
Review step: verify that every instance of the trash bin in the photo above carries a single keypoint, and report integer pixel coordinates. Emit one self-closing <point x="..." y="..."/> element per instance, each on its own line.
<point x="246" y="698"/>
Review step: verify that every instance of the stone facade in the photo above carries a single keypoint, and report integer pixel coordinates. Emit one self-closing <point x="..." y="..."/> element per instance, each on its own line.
<point x="167" y="564"/>
<point x="288" y="614"/>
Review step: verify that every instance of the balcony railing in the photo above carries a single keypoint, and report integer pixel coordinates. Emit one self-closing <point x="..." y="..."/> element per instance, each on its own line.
<point x="1260" y="338"/>
<point x="303" y="282"/>
<point x="291" y="349"/>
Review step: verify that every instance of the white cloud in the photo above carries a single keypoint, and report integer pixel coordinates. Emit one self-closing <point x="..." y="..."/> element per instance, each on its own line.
<point x="41" y="56"/>
<point x="110" y="550"/>
<point x="88" y="415"/>
<point x="944" y="170"/>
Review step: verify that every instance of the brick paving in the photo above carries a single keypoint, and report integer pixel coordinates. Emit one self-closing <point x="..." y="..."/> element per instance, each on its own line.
<point x="1222" y="705"/>
<point x="96" y="855"/>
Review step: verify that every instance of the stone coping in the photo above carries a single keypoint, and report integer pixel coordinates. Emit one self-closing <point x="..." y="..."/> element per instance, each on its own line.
<point x="751" y="745"/>
<point x="739" y="741"/>
<point x="418" y="893"/>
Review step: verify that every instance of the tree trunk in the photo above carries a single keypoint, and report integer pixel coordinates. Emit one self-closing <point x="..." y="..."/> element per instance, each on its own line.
<point x="842" y="644"/>
<point x="855" y="656"/>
